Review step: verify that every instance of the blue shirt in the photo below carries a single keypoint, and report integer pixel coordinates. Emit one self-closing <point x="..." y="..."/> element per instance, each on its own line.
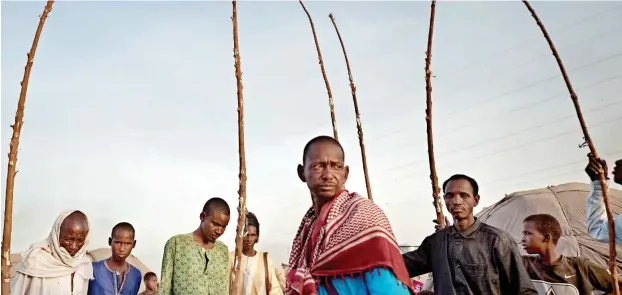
<point x="597" y="226"/>
<point x="107" y="282"/>
<point x="377" y="281"/>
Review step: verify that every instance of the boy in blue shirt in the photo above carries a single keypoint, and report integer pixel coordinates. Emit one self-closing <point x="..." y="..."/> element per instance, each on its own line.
<point x="114" y="276"/>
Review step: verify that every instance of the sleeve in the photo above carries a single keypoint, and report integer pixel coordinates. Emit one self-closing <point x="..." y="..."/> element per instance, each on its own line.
<point x="275" y="284"/>
<point x="417" y="262"/>
<point x="597" y="217"/>
<point x="599" y="276"/>
<point x="139" y="280"/>
<point x="512" y="272"/>
<point x="378" y="281"/>
<point x="280" y="274"/>
<point x="168" y="263"/>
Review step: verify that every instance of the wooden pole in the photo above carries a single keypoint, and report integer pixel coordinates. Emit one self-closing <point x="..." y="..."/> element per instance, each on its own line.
<point x="331" y="105"/>
<point x="438" y="207"/>
<point x="237" y="279"/>
<point x="359" y="126"/>
<point x="11" y="170"/>
<point x="601" y="176"/>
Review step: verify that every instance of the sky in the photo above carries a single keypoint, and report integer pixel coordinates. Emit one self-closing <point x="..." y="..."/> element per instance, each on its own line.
<point x="131" y="112"/>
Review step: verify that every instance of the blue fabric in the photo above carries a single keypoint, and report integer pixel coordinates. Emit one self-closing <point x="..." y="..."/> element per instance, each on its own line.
<point x="104" y="281"/>
<point x="378" y="281"/>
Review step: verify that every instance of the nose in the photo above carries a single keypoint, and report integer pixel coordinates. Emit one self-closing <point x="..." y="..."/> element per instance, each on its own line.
<point x="219" y="230"/>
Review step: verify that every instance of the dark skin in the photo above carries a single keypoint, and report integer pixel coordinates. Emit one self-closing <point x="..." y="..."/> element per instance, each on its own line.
<point x="250" y="239"/>
<point x="324" y="172"/>
<point x="212" y="226"/>
<point x="151" y="285"/>
<point x="121" y="243"/>
<point x="73" y="233"/>
<point x="594" y="167"/>
<point x="535" y="242"/>
<point x="460" y="200"/>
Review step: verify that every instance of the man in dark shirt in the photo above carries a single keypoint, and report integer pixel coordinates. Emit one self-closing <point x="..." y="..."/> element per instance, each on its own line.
<point x="541" y="232"/>
<point x="469" y="257"/>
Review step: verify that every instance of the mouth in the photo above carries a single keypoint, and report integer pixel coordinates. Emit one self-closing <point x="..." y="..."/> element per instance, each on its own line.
<point x="456" y="210"/>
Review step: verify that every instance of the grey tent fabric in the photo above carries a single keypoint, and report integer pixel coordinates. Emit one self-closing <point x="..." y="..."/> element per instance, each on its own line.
<point x="565" y="202"/>
<point x="94" y="255"/>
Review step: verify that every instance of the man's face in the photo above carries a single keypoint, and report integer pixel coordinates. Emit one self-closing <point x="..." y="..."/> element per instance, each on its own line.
<point x="533" y="240"/>
<point x="121" y="243"/>
<point x="459" y="198"/>
<point x="251" y="237"/>
<point x="324" y="170"/>
<point x="72" y="235"/>
<point x="152" y="283"/>
<point x="617" y="172"/>
<point x="214" y="224"/>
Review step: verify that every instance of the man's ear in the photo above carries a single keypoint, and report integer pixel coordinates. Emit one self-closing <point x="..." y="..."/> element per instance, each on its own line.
<point x="476" y="198"/>
<point x="134" y="244"/>
<point x="346" y="171"/>
<point x="301" y="173"/>
<point x="202" y="216"/>
<point x="547" y="237"/>
<point x="109" y="241"/>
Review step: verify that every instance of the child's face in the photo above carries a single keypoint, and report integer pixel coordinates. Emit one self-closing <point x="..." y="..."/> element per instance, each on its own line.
<point x="122" y="243"/>
<point x="533" y="240"/>
<point x="152" y="283"/>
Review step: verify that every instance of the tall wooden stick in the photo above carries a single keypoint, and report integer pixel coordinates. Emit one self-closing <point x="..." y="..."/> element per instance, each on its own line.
<point x="11" y="170"/>
<point x="359" y="126"/>
<point x="236" y="285"/>
<point x="601" y="176"/>
<point x="331" y="105"/>
<point x="428" y="119"/>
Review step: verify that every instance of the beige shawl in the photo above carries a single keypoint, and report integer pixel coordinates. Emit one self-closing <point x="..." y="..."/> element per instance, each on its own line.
<point x="47" y="261"/>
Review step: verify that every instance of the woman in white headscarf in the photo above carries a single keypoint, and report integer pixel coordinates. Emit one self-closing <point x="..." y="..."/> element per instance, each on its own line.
<point x="57" y="265"/>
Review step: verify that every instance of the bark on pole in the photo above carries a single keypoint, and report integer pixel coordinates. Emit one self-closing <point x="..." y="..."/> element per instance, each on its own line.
<point x="601" y="176"/>
<point x="237" y="278"/>
<point x="359" y="126"/>
<point x="11" y="170"/>
<point x="331" y="105"/>
<point x="438" y="207"/>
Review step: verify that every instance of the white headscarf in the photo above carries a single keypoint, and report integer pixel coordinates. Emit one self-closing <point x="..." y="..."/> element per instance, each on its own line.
<point x="47" y="259"/>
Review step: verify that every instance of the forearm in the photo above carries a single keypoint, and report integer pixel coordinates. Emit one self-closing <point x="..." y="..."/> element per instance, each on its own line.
<point x="597" y="226"/>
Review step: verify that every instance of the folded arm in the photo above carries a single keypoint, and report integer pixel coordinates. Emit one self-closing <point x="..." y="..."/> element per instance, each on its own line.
<point x="597" y="226"/>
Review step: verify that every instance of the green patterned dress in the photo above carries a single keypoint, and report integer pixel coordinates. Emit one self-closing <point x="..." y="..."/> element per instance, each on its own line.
<point x="188" y="269"/>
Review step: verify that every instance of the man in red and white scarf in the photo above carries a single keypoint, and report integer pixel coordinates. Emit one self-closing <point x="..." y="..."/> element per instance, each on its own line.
<point x="344" y="244"/>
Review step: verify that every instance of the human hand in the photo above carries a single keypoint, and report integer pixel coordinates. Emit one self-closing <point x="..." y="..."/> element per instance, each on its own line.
<point x="594" y="167"/>
<point x="438" y="226"/>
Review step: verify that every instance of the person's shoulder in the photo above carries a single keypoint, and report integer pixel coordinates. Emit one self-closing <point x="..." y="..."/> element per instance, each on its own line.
<point x="503" y="235"/>
<point x="582" y="262"/>
<point x="221" y="247"/>
<point x="179" y="237"/>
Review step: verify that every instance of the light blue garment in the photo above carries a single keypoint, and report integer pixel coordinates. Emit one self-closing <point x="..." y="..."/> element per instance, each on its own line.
<point x="597" y="217"/>
<point x="378" y="281"/>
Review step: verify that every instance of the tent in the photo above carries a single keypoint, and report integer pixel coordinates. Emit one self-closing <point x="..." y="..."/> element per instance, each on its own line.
<point x="94" y="255"/>
<point x="566" y="202"/>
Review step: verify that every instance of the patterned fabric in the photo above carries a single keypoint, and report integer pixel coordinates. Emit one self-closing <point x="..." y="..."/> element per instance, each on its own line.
<point x="332" y="244"/>
<point x="107" y="281"/>
<point x="188" y="269"/>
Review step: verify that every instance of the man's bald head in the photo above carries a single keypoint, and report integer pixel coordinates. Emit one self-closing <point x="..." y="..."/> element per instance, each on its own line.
<point x="74" y="220"/>
<point x="74" y="232"/>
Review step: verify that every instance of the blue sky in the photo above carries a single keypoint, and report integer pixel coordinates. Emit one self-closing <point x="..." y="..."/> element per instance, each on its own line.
<point x="131" y="109"/>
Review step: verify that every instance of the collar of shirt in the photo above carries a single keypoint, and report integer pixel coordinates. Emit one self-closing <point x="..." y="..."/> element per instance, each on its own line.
<point x="469" y="232"/>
